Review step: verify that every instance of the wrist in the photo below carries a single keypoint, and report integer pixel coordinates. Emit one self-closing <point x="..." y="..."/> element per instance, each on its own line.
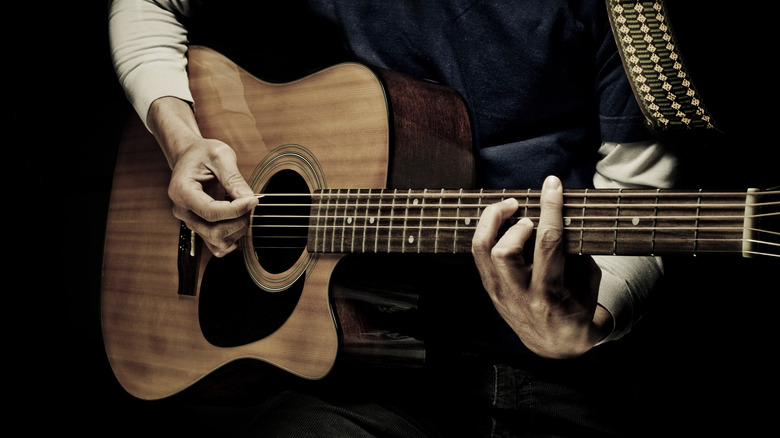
<point x="173" y="124"/>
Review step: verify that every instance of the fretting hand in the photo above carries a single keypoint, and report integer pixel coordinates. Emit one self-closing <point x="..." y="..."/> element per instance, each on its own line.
<point x="551" y="303"/>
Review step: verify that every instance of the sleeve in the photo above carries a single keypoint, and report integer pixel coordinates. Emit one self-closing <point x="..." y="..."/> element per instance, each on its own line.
<point x="627" y="281"/>
<point x="148" y="47"/>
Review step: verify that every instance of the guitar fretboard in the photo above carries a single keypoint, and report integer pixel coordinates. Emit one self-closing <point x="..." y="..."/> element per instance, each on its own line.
<point x="625" y="222"/>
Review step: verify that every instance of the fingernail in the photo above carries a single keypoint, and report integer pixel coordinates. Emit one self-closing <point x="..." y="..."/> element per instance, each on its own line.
<point x="552" y="183"/>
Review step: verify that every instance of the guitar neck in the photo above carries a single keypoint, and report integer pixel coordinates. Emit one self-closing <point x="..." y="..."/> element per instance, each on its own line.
<point x="620" y="222"/>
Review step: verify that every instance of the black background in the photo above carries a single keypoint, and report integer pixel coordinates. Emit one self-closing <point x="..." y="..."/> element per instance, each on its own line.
<point x="704" y="355"/>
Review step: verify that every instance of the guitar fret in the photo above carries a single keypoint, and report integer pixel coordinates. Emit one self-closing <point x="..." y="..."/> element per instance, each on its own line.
<point x="366" y="221"/>
<point x="335" y="224"/>
<point x="696" y="226"/>
<point x="582" y="230"/>
<point x="406" y="219"/>
<point x="325" y="224"/>
<point x="617" y="222"/>
<point x="655" y="220"/>
<point x="479" y="206"/>
<point x="354" y="221"/>
<point x="344" y="219"/>
<point x="324" y="227"/>
<point x="378" y="216"/>
<point x="315" y="223"/>
<point x="527" y="200"/>
<point x="457" y="219"/>
<point x="422" y="217"/>
<point x="390" y="223"/>
<point x="438" y="223"/>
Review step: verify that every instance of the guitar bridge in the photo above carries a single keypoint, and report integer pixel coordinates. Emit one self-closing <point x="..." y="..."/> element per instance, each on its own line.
<point x="188" y="260"/>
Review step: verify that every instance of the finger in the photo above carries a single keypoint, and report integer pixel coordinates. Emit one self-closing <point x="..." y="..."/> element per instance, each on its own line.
<point x="231" y="179"/>
<point x="223" y="164"/>
<point x="548" y="250"/>
<point x="225" y="246"/>
<point x="221" y="237"/>
<point x="191" y="195"/>
<point x="490" y="222"/>
<point x="508" y="251"/>
<point x="507" y="255"/>
<point x="219" y="166"/>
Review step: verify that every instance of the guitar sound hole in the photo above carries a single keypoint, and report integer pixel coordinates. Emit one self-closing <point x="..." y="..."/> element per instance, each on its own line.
<point x="233" y="311"/>
<point x="280" y="222"/>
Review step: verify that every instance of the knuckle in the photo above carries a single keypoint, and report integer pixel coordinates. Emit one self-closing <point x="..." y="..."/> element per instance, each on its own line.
<point x="233" y="179"/>
<point x="478" y="250"/>
<point x="174" y="189"/>
<point x="178" y="213"/>
<point x="549" y="239"/>
<point x="219" y="252"/>
<point x="216" y="148"/>
<point x="550" y="204"/>
<point x="210" y="215"/>
<point x="499" y="252"/>
<point x="505" y="252"/>
<point x="480" y="243"/>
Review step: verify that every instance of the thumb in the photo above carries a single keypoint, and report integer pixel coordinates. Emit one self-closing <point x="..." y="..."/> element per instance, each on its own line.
<point x="225" y="168"/>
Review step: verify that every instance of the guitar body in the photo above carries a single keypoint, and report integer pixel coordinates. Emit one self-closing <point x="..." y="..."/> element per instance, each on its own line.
<point x="347" y="127"/>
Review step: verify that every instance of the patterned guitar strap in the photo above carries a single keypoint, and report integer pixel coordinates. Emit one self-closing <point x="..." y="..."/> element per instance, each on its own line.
<point x="655" y="67"/>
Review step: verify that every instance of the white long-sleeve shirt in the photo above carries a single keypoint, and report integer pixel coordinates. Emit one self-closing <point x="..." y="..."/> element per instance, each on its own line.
<point x="149" y="44"/>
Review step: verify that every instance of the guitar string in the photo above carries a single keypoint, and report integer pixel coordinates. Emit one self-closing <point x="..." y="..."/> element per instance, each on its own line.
<point x="351" y="221"/>
<point x="347" y="222"/>
<point x="378" y="232"/>
<point x="384" y="193"/>
<point x="523" y="194"/>
<point x="354" y="203"/>
<point x="661" y="251"/>
<point x="627" y="217"/>
<point x="629" y="207"/>
<point x="353" y="200"/>
<point x="659" y="244"/>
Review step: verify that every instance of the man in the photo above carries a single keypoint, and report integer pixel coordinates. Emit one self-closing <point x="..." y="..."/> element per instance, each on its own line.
<point x="548" y="96"/>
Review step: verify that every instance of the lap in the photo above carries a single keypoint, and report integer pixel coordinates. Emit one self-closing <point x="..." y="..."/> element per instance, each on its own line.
<point x="475" y="401"/>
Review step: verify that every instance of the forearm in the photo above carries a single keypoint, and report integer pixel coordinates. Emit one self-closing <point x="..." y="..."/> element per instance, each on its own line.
<point x="148" y="48"/>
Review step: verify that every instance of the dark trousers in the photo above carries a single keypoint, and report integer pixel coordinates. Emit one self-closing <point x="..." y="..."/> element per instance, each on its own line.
<point x="577" y="398"/>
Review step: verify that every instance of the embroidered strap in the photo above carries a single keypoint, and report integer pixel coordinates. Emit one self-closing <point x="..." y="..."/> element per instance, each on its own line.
<point x="655" y="67"/>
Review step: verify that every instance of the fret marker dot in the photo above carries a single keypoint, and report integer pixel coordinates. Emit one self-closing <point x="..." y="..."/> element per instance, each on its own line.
<point x="567" y="221"/>
<point x="371" y="220"/>
<point x="415" y="202"/>
<point x="349" y="220"/>
<point x="411" y="239"/>
<point x="635" y="221"/>
<point x="467" y="221"/>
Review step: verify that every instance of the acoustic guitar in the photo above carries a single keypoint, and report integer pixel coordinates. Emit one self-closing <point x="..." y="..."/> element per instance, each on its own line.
<point x="348" y="160"/>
